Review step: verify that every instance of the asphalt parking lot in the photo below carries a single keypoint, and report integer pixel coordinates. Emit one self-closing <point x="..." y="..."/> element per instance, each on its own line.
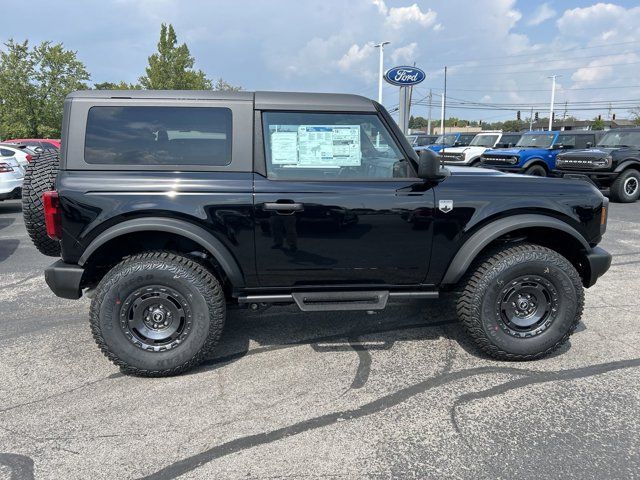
<point x="400" y="394"/>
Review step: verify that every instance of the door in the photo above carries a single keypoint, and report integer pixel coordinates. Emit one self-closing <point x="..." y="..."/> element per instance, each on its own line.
<point x="340" y="204"/>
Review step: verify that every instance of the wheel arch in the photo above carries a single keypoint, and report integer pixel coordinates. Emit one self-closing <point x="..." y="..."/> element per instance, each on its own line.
<point x="536" y="161"/>
<point x="540" y="229"/>
<point x="630" y="163"/>
<point x="193" y="235"/>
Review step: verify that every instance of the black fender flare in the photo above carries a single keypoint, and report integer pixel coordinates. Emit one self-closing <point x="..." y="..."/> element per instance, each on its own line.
<point x="628" y="163"/>
<point x="179" y="227"/>
<point x="485" y="235"/>
<point x="535" y="160"/>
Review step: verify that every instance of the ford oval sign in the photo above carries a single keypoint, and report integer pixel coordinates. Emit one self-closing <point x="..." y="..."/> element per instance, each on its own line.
<point x="404" y="76"/>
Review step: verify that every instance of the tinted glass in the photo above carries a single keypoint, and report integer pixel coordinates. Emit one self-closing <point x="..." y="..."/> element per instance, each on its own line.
<point x="510" y="139"/>
<point x="158" y="136"/>
<point x="6" y="153"/>
<point x="536" y="140"/>
<point x="330" y="146"/>
<point x="618" y="139"/>
<point x="466" y="139"/>
<point x="583" y="140"/>
<point x="484" y="140"/>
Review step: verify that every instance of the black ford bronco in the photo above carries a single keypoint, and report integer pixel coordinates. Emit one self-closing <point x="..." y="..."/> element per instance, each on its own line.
<point x="613" y="165"/>
<point x="167" y="207"/>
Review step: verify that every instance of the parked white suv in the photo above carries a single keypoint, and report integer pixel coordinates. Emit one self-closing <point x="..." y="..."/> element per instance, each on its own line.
<point x="470" y="155"/>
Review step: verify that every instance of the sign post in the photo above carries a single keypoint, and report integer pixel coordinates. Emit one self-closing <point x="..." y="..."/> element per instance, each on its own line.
<point x="404" y="77"/>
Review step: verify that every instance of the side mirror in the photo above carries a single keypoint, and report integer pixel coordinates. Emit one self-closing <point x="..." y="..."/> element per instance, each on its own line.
<point x="429" y="165"/>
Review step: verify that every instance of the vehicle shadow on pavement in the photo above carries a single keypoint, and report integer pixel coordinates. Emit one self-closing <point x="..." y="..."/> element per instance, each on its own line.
<point x="279" y="328"/>
<point x="7" y="207"/>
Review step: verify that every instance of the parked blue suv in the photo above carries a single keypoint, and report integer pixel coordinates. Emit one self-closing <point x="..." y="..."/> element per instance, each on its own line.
<point x="449" y="140"/>
<point x="535" y="153"/>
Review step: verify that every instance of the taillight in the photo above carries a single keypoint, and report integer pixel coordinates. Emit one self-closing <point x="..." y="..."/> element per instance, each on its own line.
<point x="29" y="157"/>
<point x="52" y="214"/>
<point x="5" y="168"/>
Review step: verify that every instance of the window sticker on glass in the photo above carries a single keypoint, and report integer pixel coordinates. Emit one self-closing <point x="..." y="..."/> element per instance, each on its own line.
<point x="329" y="146"/>
<point x="284" y="148"/>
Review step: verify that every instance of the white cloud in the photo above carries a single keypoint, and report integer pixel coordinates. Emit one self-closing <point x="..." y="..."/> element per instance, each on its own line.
<point x="543" y="13"/>
<point x="397" y="17"/>
<point x="404" y="54"/>
<point x="599" y="70"/>
<point x="355" y="55"/>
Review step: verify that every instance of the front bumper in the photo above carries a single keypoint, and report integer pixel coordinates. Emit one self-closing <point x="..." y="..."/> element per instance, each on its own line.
<point x="64" y="279"/>
<point x="11" y="194"/>
<point x="602" y="180"/>
<point x="599" y="262"/>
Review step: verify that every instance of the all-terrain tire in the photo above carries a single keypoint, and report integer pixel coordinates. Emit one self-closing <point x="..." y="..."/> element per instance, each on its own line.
<point x="157" y="277"/>
<point x="506" y="271"/>
<point x="626" y="188"/>
<point x="536" y="171"/>
<point x="39" y="177"/>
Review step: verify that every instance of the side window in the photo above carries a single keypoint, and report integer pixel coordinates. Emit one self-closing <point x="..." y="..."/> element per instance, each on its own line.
<point x="325" y="146"/>
<point x="6" y="153"/>
<point x="567" y="140"/>
<point x="158" y="136"/>
<point x="583" y="140"/>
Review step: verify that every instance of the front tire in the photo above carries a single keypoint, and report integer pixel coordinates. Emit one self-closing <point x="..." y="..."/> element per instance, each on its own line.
<point x="536" y="171"/>
<point x="521" y="302"/>
<point x="157" y="314"/>
<point x="626" y="188"/>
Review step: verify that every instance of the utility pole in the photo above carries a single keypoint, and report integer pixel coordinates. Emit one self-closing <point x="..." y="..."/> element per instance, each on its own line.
<point x="564" y="114"/>
<point x="553" y="97"/>
<point x="531" y="120"/>
<point x="442" y="107"/>
<point x="429" y="120"/>
<point x="381" y="69"/>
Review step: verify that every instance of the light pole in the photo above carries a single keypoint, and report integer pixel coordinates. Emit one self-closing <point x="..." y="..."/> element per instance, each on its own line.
<point x="381" y="74"/>
<point x="553" y="97"/>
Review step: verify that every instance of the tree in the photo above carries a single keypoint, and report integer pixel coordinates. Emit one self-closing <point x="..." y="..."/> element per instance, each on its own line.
<point x="121" y="85"/>
<point x="223" y="86"/>
<point x="635" y="115"/>
<point x="418" y="122"/>
<point x="33" y="85"/>
<point x="597" y="124"/>
<point x="172" y="67"/>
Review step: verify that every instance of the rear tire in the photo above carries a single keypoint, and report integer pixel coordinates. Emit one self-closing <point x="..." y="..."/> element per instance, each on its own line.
<point x="536" y="171"/>
<point x="521" y="302"/>
<point x="39" y="177"/>
<point x="626" y="188"/>
<point x="157" y="314"/>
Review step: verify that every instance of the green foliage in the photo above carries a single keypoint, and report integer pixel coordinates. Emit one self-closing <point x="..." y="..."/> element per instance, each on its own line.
<point x="635" y="115"/>
<point x="172" y="67"/>
<point x="121" y="85"/>
<point x="33" y="85"/>
<point x="418" y="122"/>
<point x="223" y="86"/>
<point x="598" y="124"/>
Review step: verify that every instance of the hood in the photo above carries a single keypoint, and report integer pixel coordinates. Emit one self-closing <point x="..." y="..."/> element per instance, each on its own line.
<point x="595" y="152"/>
<point x="510" y="152"/>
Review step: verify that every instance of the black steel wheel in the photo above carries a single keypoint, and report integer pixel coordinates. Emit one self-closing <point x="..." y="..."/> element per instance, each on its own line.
<point x="157" y="314"/>
<point x="520" y="302"/>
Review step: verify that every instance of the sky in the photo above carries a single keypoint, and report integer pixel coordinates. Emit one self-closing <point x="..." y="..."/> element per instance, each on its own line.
<point x="498" y="52"/>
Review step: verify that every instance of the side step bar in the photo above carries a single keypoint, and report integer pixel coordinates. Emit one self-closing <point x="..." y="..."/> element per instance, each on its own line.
<point x="333" y="301"/>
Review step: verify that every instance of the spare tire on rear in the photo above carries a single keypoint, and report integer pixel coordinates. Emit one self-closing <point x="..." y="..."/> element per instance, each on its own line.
<point x="39" y="177"/>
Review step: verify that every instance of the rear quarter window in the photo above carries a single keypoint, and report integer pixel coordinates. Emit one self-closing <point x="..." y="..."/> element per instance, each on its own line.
<point x="137" y="135"/>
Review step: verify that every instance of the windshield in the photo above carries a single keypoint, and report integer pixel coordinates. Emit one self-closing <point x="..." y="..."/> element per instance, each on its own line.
<point x="484" y="141"/>
<point x="448" y="139"/>
<point x="618" y="139"/>
<point x="536" y="140"/>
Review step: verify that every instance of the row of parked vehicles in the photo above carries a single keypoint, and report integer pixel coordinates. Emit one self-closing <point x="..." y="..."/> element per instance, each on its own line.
<point x="15" y="155"/>
<point x="610" y="160"/>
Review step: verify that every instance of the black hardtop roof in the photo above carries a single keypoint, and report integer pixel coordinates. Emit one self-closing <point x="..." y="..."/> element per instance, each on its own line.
<point x="263" y="100"/>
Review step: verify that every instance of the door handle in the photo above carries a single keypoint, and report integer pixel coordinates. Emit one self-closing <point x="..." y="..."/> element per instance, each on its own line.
<point x="285" y="208"/>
